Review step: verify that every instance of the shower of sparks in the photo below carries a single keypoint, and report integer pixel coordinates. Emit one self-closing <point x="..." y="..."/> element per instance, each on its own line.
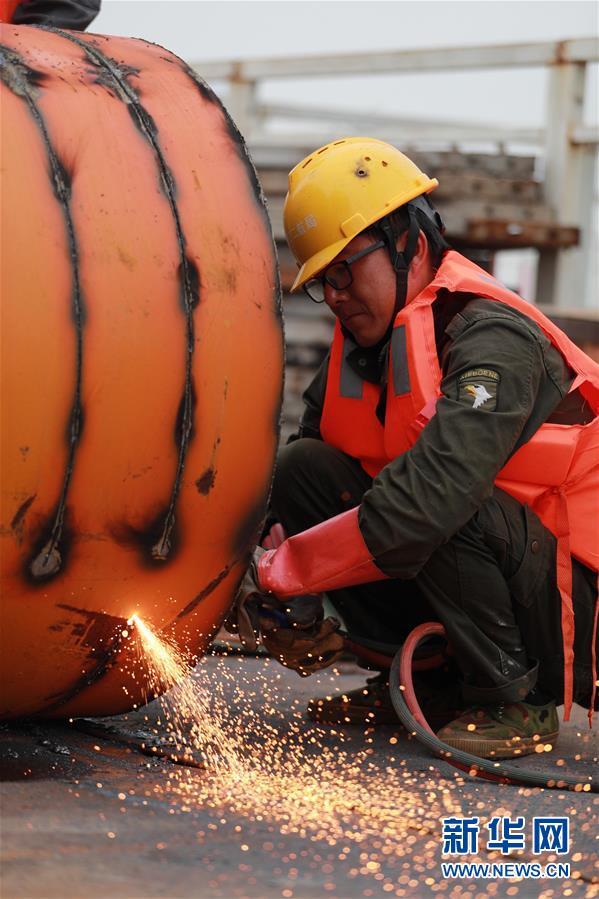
<point x="256" y="769"/>
<point x="289" y="776"/>
<point x="194" y="724"/>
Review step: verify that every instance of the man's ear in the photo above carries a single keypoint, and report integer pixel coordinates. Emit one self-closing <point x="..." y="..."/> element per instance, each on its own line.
<point x="421" y="246"/>
<point x="421" y="256"/>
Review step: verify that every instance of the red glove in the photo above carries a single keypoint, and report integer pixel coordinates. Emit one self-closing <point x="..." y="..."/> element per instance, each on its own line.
<point x="326" y="557"/>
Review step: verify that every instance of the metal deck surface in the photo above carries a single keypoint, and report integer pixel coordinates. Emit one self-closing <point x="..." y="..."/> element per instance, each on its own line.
<point x="88" y="814"/>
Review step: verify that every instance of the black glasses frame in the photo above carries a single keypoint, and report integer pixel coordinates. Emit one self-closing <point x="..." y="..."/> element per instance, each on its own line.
<point x="339" y="283"/>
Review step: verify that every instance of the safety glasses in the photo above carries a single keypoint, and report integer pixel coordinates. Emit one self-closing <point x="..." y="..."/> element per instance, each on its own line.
<point x="338" y="275"/>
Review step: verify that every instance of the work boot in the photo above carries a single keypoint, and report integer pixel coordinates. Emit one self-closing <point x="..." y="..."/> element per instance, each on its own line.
<point x="504" y="731"/>
<point x="371" y="704"/>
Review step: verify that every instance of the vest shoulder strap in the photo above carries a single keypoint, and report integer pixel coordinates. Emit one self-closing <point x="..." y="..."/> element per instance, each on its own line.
<point x="459" y="275"/>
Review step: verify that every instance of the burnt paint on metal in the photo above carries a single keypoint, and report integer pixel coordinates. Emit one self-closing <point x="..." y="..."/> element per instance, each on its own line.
<point x="26" y="84"/>
<point x="250" y="528"/>
<point x="235" y="134"/>
<point x="18" y="518"/>
<point x="184" y="430"/>
<point x="242" y="152"/>
<point x="48" y="556"/>
<point x="59" y="626"/>
<point x="208" y="589"/>
<point x="276" y="412"/>
<point x="146" y="537"/>
<point x="74" y="424"/>
<point x="19" y="78"/>
<point x="103" y="663"/>
<point x="93" y="628"/>
<point x="101" y="77"/>
<point x="189" y="277"/>
<point x="146" y="126"/>
<point x="205" y="482"/>
<point x="191" y="272"/>
<point x="184" y="423"/>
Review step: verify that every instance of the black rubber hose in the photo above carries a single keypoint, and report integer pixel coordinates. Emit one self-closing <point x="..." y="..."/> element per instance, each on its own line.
<point x="402" y="699"/>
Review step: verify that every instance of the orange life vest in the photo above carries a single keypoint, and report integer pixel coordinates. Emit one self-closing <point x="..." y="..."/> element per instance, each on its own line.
<point x="7" y="9"/>
<point x="556" y="472"/>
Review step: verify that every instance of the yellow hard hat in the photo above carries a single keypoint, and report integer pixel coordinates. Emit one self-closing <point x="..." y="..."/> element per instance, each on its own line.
<point x="340" y="189"/>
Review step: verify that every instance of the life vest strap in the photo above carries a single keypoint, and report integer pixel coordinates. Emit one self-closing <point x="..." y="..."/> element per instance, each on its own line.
<point x="594" y="669"/>
<point x="564" y="585"/>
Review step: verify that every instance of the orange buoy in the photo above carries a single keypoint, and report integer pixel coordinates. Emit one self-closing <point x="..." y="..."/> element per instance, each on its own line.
<point x="142" y="363"/>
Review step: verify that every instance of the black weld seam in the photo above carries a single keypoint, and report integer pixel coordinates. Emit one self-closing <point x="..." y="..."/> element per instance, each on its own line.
<point x="24" y="83"/>
<point x="104" y="662"/>
<point x="243" y="153"/>
<point x="244" y="540"/>
<point x="208" y="589"/>
<point x="189" y="278"/>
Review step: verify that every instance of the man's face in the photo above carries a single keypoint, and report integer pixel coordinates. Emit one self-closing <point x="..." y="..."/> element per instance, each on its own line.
<point x="366" y="307"/>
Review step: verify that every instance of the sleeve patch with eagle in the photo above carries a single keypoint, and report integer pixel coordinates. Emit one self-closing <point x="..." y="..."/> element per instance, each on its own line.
<point x="478" y="388"/>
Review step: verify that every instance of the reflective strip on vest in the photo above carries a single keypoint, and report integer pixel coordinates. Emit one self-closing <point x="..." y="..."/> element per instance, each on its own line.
<point x="399" y="361"/>
<point x="351" y="385"/>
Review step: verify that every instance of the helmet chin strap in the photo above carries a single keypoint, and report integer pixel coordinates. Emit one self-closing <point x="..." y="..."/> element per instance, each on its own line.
<point x="400" y="259"/>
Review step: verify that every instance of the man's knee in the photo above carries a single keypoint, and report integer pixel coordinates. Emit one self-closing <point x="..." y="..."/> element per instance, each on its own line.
<point x="500" y="521"/>
<point x="302" y="470"/>
<point x="302" y="459"/>
<point x="300" y="456"/>
<point x="315" y="481"/>
<point x="522" y="546"/>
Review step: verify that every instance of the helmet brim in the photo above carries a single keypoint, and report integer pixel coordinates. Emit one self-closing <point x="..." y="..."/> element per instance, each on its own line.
<point x="320" y="260"/>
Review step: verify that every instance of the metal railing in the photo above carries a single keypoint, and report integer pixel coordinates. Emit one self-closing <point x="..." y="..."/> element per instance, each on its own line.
<point x="567" y="145"/>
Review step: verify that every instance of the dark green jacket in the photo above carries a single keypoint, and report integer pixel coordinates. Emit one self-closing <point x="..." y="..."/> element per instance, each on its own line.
<point x="424" y="496"/>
